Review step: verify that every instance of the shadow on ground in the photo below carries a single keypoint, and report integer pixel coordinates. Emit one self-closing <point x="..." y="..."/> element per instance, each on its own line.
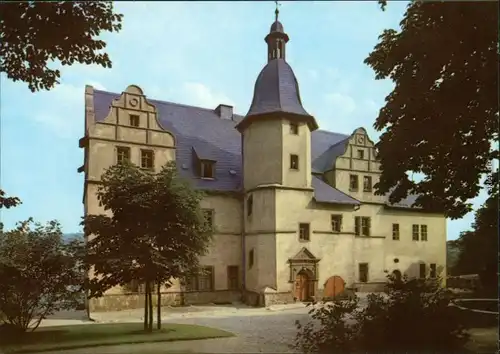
<point x="69" y="315"/>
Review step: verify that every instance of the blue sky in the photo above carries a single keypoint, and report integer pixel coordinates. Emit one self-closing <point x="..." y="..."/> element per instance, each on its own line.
<point x="201" y="53"/>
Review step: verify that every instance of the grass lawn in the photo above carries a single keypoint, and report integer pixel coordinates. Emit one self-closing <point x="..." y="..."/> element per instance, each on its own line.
<point x="94" y="335"/>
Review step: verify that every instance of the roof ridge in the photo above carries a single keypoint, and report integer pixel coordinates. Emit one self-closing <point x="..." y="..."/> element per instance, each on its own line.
<point x="168" y="102"/>
<point x="330" y="132"/>
<point x="278" y="83"/>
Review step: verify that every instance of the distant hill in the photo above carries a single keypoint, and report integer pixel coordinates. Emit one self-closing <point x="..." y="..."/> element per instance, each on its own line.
<point x="73" y="235"/>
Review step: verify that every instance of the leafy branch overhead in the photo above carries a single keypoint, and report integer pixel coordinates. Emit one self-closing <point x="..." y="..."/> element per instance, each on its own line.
<point x="442" y="116"/>
<point x="34" y="34"/>
<point x="8" y="202"/>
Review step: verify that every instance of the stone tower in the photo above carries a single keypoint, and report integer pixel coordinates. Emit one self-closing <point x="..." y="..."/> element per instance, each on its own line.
<point x="276" y="150"/>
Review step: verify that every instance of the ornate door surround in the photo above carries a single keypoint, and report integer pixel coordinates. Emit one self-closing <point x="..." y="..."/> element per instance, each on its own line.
<point x="306" y="264"/>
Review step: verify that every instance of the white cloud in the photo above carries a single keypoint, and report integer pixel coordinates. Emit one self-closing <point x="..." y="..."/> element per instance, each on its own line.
<point x="97" y="85"/>
<point x="332" y="73"/>
<point x="371" y="106"/>
<point x="61" y="110"/>
<point x="342" y="104"/>
<point x="199" y="94"/>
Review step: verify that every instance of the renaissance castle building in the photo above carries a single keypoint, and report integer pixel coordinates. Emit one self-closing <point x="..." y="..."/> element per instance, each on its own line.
<point x="293" y="206"/>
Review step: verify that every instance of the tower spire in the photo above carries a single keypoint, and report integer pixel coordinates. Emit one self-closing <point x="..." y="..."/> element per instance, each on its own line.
<point x="277" y="38"/>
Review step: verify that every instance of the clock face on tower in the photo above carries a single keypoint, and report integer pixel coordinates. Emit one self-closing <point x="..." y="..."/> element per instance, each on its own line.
<point x="361" y="139"/>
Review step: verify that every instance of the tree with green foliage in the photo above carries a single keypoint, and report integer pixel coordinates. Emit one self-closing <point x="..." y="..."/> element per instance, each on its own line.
<point x="156" y="231"/>
<point x="452" y="254"/>
<point x="413" y="316"/>
<point x="441" y="118"/>
<point x="40" y="273"/>
<point x="35" y="33"/>
<point x="478" y="248"/>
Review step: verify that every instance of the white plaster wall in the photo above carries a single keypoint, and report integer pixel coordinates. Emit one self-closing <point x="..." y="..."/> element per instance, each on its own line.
<point x="299" y="145"/>
<point x="262" y="274"/>
<point x="262" y="148"/>
<point x="263" y="216"/>
<point x="340" y="254"/>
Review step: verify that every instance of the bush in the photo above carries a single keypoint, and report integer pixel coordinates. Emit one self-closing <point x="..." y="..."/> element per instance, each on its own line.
<point x="413" y="315"/>
<point x="41" y="274"/>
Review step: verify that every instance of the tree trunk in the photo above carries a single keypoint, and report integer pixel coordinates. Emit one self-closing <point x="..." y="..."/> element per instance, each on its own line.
<point x="150" y="308"/>
<point x="158" y="306"/>
<point x="146" y="307"/>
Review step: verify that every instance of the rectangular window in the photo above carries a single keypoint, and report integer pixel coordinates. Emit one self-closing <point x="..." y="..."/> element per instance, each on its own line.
<point x="362" y="226"/>
<point x="294" y="162"/>
<point x="361" y="154"/>
<point x="208" y="215"/>
<point x="122" y="154"/>
<point x="395" y="231"/>
<point x="423" y="232"/>
<point x="249" y="205"/>
<point x="304" y="232"/>
<point x="336" y="223"/>
<point x="422" y="271"/>
<point x="414" y="232"/>
<point x="207" y="169"/>
<point x="203" y="281"/>
<point x="367" y="184"/>
<point x="233" y="278"/>
<point x="353" y="182"/>
<point x="134" y="120"/>
<point x="363" y="272"/>
<point x="294" y="128"/>
<point x="433" y="270"/>
<point x="147" y="159"/>
<point x="250" y="258"/>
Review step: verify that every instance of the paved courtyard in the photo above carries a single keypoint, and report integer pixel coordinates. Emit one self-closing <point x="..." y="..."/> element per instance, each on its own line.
<point x="258" y="330"/>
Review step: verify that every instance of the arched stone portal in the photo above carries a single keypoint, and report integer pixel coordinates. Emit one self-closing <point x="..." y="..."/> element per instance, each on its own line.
<point x="304" y="275"/>
<point x="334" y="285"/>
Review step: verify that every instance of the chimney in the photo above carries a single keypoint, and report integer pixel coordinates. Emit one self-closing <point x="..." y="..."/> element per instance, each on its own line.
<point x="224" y="111"/>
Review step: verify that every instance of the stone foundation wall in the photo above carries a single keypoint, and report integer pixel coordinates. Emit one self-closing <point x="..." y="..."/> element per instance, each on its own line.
<point x="374" y="287"/>
<point x="118" y="302"/>
<point x="278" y="298"/>
<point x="251" y="298"/>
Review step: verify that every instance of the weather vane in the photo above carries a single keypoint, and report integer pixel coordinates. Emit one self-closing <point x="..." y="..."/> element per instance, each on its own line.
<point x="277" y="11"/>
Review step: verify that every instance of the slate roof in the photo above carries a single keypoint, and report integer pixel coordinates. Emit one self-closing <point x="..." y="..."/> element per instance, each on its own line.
<point x="276" y="90"/>
<point x="277" y="26"/>
<point x="324" y="193"/>
<point x="201" y="132"/>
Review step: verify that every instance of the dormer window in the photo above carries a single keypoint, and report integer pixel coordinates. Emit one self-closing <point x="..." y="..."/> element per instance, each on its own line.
<point x="294" y="128"/>
<point x="134" y="120"/>
<point x="207" y="169"/>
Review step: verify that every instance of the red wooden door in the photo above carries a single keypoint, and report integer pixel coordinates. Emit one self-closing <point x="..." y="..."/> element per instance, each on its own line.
<point x="333" y="286"/>
<point x="302" y="287"/>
